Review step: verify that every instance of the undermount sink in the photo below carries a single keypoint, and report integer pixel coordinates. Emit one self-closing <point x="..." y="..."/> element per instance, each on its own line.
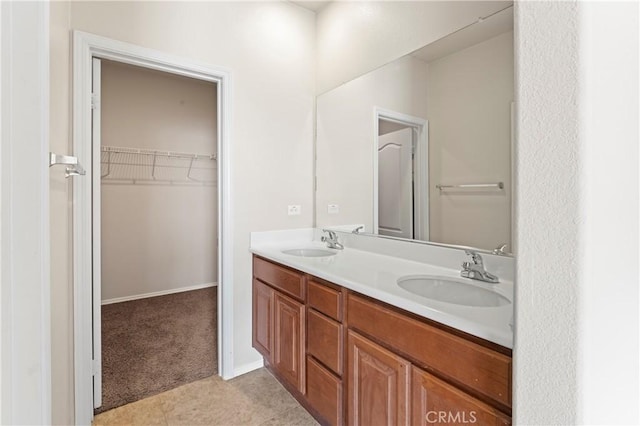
<point x="309" y="252"/>
<point x="451" y="290"/>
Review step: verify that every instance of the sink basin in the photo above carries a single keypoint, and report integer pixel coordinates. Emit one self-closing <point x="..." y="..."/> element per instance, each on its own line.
<point x="451" y="290"/>
<point x="309" y="252"/>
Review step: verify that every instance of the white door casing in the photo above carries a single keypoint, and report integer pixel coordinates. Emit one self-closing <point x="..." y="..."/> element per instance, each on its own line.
<point x="86" y="47"/>
<point x="96" y="95"/>
<point x="395" y="183"/>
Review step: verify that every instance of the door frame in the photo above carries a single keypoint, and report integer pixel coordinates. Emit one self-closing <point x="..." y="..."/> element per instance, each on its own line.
<point x="85" y="47"/>
<point x="420" y="164"/>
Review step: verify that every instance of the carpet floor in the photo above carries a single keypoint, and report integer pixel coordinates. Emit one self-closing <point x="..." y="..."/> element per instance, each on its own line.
<point x="156" y="344"/>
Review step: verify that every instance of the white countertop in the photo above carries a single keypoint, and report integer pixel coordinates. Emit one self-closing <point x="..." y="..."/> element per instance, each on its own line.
<point x="375" y="275"/>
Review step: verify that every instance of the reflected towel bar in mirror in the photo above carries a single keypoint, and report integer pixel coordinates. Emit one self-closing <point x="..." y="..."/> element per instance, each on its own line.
<point x="499" y="185"/>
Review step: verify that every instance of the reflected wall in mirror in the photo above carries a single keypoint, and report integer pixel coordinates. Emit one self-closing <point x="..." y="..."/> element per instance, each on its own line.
<point x="420" y="148"/>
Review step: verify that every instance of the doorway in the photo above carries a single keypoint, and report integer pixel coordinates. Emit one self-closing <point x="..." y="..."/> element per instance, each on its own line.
<point x="87" y="204"/>
<point x="396" y="190"/>
<point x="401" y="170"/>
<point x="158" y="230"/>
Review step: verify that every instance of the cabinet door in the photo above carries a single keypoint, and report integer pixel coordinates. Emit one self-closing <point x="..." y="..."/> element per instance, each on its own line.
<point x="263" y="319"/>
<point x="378" y="384"/>
<point x="289" y="340"/>
<point x="437" y="402"/>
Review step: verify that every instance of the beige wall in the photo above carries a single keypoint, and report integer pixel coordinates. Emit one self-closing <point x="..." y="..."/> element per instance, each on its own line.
<point x="157" y="237"/>
<point x="356" y="37"/>
<point x="469" y="95"/>
<point x="269" y="49"/>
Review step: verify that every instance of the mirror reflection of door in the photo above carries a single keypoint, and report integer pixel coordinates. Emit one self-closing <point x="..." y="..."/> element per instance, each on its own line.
<point x="395" y="181"/>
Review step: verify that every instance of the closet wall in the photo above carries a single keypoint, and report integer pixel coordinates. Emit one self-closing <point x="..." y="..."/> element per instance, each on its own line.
<point x="157" y="237"/>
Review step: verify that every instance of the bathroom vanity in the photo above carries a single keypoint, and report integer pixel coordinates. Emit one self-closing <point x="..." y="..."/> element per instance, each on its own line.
<point x="352" y="354"/>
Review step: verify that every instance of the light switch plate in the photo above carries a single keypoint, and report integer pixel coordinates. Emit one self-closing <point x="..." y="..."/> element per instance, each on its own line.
<point x="333" y="209"/>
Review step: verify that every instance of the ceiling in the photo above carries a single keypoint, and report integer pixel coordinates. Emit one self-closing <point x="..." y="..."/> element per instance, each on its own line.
<point x="312" y="5"/>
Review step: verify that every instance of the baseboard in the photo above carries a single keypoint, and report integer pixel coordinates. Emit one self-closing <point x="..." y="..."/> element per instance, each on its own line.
<point x="158" y="293"/>
<point x="246" y="368"/>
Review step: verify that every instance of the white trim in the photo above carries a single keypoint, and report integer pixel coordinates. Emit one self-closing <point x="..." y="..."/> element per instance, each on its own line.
<point x="86" y="46"/>
<point x="25" y="324"/>
<point x="157" y="293"/>
<point x="96" y="230"/>
<point x="421" y="127"/>
<point x="247" y="368"/>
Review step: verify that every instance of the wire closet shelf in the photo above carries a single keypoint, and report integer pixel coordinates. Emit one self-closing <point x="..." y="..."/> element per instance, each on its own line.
<point x="120" y="165"/>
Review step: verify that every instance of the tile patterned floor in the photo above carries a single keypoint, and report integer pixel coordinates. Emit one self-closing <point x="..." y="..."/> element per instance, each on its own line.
<point x="255" y="398"/>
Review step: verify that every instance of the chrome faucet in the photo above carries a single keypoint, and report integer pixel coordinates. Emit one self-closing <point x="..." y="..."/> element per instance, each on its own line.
<point x="475" y="269"/>
<point x="357" y="230"/>
<point x="331" y="239"/>
<point x="500" y="251"/>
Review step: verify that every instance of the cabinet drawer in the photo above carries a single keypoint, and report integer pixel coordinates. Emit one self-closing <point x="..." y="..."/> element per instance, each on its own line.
<point x="324" y="340"/>
<point x="286" y="280"/>
<point x="324" y="392"/>
<point x="467" y="363"/>
<point x="325" y="299"/>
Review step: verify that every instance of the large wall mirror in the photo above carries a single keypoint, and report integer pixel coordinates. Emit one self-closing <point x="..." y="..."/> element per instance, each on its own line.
<point x="421" y="148"/>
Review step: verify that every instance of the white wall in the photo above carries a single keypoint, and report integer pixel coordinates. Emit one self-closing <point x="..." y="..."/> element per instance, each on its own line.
<point x="345" y="135"/>
<point x="269" y="48"/>
<point x="25" y="336"/>
<point x="469" y="95"/>
<point x="355" y="37"/>
<point x="549" y="214"/>
<point x="611" y="327"/>
<point x="157" y="238"/>
<point x="576" y="350"/>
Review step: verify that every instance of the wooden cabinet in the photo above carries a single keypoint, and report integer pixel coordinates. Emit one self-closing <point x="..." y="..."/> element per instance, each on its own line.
<point x="289" y="338"/>
<point x="279" y="321"/>
<point x="437" y="402"/>
<point x="378" y="390"/>
<point x="263" y="319"/>
<point x="483" y="370"/>
<point x="350" y="359"/>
